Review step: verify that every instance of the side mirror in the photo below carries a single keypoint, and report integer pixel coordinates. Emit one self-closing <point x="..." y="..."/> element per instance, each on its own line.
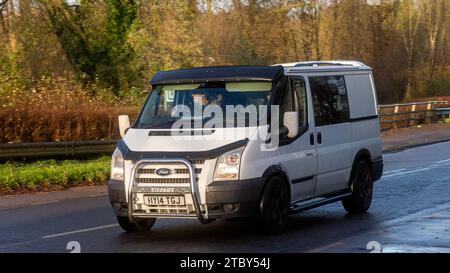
<point x="124" y="124"/>
<point x="290" y="121"/>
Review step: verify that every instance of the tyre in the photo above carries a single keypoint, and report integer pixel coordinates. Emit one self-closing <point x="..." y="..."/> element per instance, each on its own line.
<point x="140" y="225"/>
<point x="361" y="185"/>
<point x="273" y="210"/>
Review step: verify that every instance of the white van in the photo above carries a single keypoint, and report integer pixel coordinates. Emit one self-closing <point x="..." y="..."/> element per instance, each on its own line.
<point x="321" y="121"/>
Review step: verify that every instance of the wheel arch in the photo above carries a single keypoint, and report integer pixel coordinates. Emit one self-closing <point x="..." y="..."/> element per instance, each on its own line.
<point x="277" y="170"/>
<point x="361" y="155"/>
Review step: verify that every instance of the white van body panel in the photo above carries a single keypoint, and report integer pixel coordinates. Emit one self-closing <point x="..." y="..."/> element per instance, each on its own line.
<point x="300" y="158"/>
<point x="335" y="158"/>
<point x="300" y="163"/>
<point x="366" y="135"/>
<point x="363" y="103"/>
<point x="341" y="142"/>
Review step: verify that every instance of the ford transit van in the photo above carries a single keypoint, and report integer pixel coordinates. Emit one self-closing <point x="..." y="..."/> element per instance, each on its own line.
<point x="259" y="142"/>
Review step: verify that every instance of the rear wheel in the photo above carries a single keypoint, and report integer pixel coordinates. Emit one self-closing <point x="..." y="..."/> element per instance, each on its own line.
<point x="362" y="190"/>
<point x="273" y="208"/>
<point x="140" y="225"/>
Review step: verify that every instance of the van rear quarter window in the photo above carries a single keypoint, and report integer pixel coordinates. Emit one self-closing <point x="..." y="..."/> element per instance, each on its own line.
<point x="362" y="98"/>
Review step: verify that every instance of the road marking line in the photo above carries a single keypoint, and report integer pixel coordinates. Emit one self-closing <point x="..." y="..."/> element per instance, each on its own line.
<point x="79" y="231"/>
<point x="403" y="248"/>
<point x="325" y="247"/>
<point x="394" y="171"/>
<point x="401" y="173"/>
<point x="442" y="161"/>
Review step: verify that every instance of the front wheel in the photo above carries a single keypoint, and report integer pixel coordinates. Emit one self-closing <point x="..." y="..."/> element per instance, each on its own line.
<point x="273" y="208"/>
<point x="139" y="225"/>
<point x="362" y="190"/>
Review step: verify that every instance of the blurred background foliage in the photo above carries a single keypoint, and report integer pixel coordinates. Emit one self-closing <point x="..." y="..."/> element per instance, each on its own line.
<point x="67" y="71"/>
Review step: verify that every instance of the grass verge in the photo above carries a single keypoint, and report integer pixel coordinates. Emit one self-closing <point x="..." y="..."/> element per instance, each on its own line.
<point x="52" y="174"/>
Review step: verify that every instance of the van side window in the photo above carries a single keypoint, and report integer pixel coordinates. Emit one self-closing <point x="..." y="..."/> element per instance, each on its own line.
<point x="294" y="99"/>
<point x="330" y="100"/>
<point x="301" y="105"/>
<point x="286" y="102"/>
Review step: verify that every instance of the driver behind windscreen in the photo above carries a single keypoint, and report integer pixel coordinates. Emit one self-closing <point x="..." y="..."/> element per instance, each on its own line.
<point x="217" y="100"/>
<point x="200" y="98"/>
<point x="204" y="99"/>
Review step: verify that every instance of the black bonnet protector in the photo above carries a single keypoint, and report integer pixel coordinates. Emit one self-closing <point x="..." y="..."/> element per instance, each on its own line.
<point x="219" y="74"/>
<point x="190" y="155"/>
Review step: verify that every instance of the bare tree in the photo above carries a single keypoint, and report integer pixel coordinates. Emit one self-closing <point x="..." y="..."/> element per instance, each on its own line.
<point x="6" y="13"/>
<point x="410" y="21"/>
<point x="435" y="18"/>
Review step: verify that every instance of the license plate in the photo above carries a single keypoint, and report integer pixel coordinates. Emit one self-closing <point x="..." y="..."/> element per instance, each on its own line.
<point x="157" y="200"/>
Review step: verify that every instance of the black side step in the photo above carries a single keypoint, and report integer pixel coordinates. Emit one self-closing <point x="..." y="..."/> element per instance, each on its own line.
<point x="315" y="204"/>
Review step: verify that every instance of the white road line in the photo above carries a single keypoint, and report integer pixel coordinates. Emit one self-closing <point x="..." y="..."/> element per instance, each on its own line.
<point x="325" y="247"/>
<point x="79" y="231"/>
<point x="442" y="161"/>
<point x="394" y="171"/>
<point x="401" y="173"/>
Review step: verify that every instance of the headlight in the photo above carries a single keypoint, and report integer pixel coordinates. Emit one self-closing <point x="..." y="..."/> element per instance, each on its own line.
<point x="117" y="165"/>
<point x="227" y="167"/>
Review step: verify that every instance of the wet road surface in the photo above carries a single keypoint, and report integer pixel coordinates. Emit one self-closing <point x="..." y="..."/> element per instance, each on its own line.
<point x="410" y="213"/>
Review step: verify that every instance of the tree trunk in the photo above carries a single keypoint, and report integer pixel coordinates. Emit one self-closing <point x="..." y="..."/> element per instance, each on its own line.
<point x="434" y="23"/>
<point x="409" y="35"/>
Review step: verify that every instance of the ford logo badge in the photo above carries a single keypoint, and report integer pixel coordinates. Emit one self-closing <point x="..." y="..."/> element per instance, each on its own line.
<point x="164" y="171"/>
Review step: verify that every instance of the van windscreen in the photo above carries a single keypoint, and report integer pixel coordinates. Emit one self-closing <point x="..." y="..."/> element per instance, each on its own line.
<point x="202" y="102"/>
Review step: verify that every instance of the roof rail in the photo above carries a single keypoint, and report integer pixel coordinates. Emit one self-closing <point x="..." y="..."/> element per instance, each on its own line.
<point x="324" y="63"/>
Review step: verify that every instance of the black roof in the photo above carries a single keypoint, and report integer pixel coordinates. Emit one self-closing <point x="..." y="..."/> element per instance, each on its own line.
<point x="219" y="73"/>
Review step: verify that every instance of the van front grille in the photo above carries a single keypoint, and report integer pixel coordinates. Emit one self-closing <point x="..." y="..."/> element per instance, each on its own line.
<point x="197" y="170"/>
<point x="163" y="180"/>
<point x="146" y="170"/>
<point x="147" y="173"/>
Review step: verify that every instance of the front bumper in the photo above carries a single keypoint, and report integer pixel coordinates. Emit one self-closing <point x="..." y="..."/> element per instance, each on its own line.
<point x="116" y="192"/>
<point x="234" y="199"/>
<point x="224" y="199"/>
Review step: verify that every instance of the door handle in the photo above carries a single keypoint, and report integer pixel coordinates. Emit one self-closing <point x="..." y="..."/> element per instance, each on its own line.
<point x="311" y="139"/>
<point x="319" y="137"/>
<point x="309" y="154"/>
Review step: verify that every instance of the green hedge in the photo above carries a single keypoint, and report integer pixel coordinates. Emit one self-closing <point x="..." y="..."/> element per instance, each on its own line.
<point x="53" y="174"/>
